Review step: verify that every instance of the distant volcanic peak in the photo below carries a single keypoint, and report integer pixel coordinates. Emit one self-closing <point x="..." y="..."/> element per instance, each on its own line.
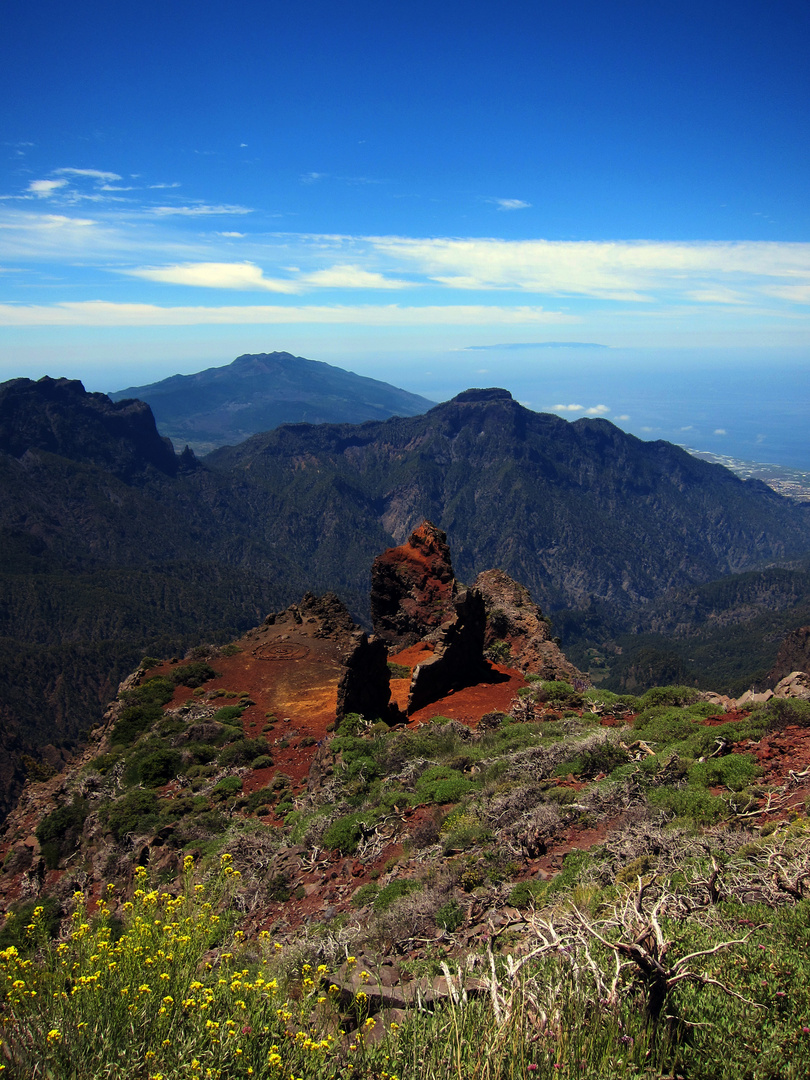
<point x="252" y="360"/>
<point x="476" y="395"/>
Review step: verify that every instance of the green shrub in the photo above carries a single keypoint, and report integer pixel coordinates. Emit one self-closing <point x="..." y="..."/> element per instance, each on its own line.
<point x="394" y="891"/>
<point x="734" y="771"/>
<point x="228" y="714"/>
<point x="227" y="786"/>
<point x="782" y="712"/>
<point x="464" y="832"/>
<point x="670" y="695"/>
<point x="261" y="797"/>
<point x="59" y="832"/>
<point x="603" y="758"/>
<point x="441" y="784"/>
<point x="450" y="916"/>
<point x="525" y="893"/>
<point x="263" y="761"/>
<point x="199" y="752"/>
<point x="159" y="767"/>
<point x="344" y="834"/>
<point x="136" y="812"/>
<point x="242" y="752"/>
<point x="558" y="693"/>
<point x="143" y="706"/>
<point x="365" y="894"/>
<point x="693" y="803"/>
<point x="194" y="674"/>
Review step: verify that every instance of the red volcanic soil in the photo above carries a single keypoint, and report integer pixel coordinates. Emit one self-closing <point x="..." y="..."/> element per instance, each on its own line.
<point x="291" y="679"/>
<point x="467" y="705"/>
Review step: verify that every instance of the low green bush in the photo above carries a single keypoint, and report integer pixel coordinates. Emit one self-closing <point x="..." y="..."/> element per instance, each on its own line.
<point x="450" y="916"/>
<point x="525" y="893"/>
<point x="365" y="894"/>
<point x="228" y="714"/>
<point x="59" y="832"/>
<point x="193" y="674"/>
<point x="670" y="695"/>
<point x="137" y="811"/>
<point x="733" y="771"/>
<point x="242" y="752"/>
<point x="344" y="834"/>
<point x="395" y="890"/>
<point x="227" y="786"/>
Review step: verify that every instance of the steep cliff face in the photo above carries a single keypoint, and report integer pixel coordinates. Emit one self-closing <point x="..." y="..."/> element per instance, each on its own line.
<point x="59" y="417"/>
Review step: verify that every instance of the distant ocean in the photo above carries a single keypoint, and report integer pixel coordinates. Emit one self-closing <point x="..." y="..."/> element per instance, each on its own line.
<point x="739" y="403"/>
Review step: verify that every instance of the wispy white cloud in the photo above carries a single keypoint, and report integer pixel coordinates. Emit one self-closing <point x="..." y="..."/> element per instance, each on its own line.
<point x="567" y="408"/>
<point x="511" y="204"/>
<point x="616" y="270"/>
<point x="215" y="275"/>
<point x="597" y="410"/>
<point x="92" y="174"/>
<point x="92" y="313"/>
<point x="720" y="431"/>
<point x="45" y="188"/>
<point x="200" y="210"/>
<point x="348" y="276"/>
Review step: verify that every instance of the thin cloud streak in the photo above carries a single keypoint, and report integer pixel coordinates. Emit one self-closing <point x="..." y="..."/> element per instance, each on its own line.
<point x="91" y="313"/>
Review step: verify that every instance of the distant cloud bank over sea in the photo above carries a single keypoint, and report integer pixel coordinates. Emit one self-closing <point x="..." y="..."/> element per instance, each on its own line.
<point x="515" y="345"/>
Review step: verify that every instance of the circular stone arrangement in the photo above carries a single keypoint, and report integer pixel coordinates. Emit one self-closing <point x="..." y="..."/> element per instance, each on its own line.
<point x="281" y="650"/>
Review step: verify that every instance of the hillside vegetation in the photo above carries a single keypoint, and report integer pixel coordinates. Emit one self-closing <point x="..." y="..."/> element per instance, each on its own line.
<point x="588" y="884"/>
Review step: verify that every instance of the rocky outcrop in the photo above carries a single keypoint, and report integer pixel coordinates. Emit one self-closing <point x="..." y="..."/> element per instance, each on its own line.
<point x="793" y="655"/>
<point x="458" y="657"/>
<point x="514" y="619"/>
<point x="321" y="616"/>
<point x="412" y="587"/>
<point x="365" y="685"/>
<point x="364" y="682"/>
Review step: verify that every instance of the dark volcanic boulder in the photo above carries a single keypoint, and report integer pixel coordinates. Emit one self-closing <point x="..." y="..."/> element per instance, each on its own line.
<point x="365" y="685"/>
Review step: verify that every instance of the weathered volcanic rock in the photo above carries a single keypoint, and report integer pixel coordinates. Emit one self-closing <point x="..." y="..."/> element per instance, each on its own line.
<point x="793" y="655"/>
<point x="365" y="685"/>
<point x="513" y="617"/>
<point x="458" y="658"/>
<point x="412" y="587"/>
<point x="322" y="617"/>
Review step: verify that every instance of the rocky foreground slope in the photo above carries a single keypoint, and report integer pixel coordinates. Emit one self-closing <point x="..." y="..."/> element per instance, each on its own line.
<point x="426" y="795"/>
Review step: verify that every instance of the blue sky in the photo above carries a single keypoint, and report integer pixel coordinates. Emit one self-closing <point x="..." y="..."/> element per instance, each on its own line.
<point x="385" y="186"/>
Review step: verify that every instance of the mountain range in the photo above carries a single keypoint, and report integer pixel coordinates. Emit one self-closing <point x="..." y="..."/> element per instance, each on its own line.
<point x="116" y="546"/>
<point x="224" y="405"/>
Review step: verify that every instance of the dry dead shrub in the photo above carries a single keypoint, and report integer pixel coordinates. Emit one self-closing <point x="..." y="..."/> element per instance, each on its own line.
<point x="407" y="920"/>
